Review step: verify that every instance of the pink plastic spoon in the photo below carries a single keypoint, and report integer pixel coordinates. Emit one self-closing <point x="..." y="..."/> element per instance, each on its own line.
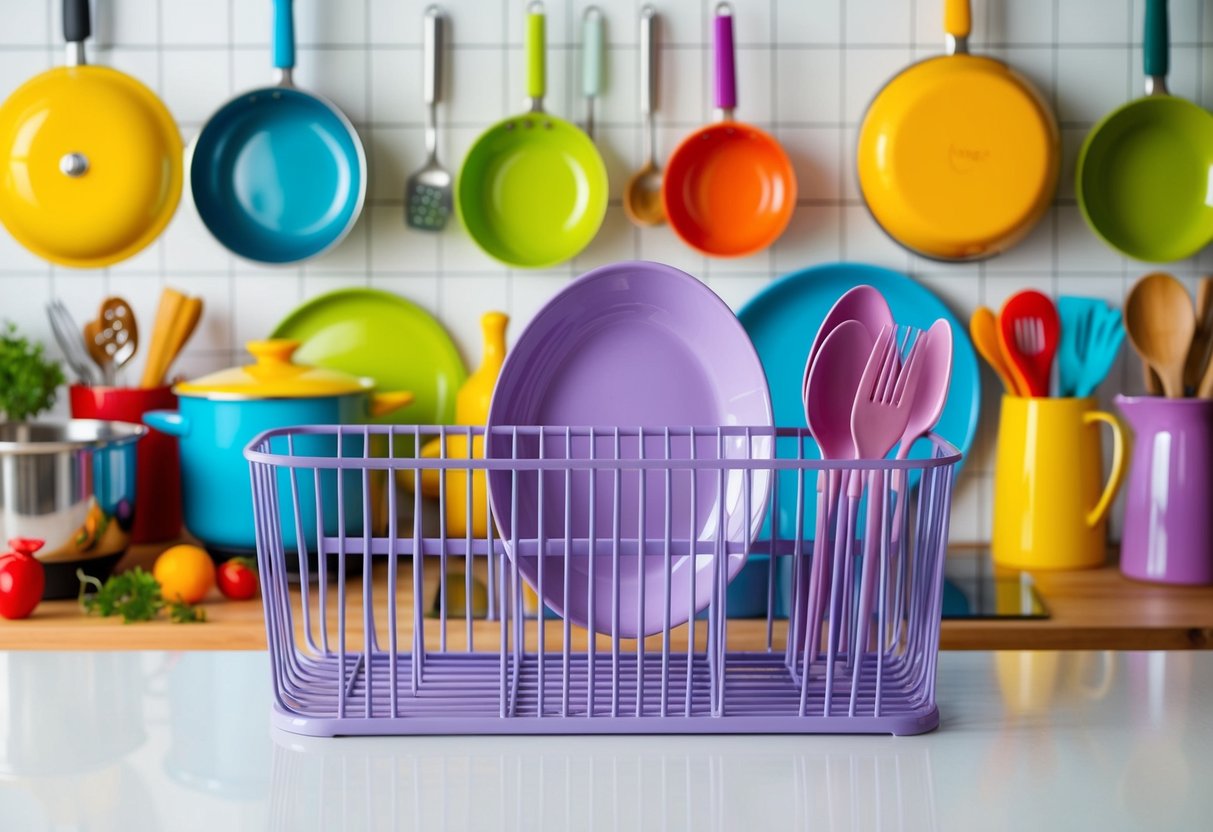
<point x="830" y="397"/>
<point x="861" y="303"/>
<point x="867" y="306"/>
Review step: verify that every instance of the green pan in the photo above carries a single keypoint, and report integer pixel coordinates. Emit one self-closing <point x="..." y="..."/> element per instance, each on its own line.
<point x="1145" y="173"/>
<point x="532" y="191"/>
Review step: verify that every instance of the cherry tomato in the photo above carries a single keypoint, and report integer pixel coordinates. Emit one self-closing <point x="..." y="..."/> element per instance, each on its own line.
<point x="238" y="579"/>
<point x="22" y="579"/>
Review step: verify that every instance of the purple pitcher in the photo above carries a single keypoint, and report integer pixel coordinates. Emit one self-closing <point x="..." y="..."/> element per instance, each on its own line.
<point x="1168" y="529"/>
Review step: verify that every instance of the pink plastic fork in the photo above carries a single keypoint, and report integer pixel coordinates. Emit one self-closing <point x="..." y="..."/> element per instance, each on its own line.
<point x="879" y="377"/>
<point x="878" y="421"/>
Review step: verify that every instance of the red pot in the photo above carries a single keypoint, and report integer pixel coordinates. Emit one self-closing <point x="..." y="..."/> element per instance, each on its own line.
<point x="158" y="465"/>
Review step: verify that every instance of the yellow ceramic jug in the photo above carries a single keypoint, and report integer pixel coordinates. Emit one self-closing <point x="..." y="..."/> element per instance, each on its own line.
<point x="471" y="408"/>
<point x="1050" y="508"/>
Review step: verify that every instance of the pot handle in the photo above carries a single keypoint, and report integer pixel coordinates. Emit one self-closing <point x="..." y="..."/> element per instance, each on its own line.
<point x="168" y="421"/>
<point x="76" y="23"/>
<point x="384" y="403"/>
<point x="1097" y="514"/>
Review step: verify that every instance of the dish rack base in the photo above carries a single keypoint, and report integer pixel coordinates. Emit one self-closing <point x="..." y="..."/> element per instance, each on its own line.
<point x="459" y="694"/>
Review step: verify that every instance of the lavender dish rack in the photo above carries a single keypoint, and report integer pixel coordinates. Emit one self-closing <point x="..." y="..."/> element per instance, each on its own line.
<point x="350" y="554"/>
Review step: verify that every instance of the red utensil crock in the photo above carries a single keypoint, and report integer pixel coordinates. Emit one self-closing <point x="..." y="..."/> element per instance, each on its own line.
<point x="158" y="466"/>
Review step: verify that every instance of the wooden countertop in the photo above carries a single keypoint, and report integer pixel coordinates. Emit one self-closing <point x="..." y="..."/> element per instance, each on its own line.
<point x="1093" y="609"/>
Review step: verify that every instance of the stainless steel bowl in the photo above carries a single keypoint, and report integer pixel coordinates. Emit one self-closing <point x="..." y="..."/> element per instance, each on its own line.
<point x="71" y="484"/>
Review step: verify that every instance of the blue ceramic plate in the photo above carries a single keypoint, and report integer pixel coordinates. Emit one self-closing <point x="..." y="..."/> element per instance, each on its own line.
<point x="782" y="321"/>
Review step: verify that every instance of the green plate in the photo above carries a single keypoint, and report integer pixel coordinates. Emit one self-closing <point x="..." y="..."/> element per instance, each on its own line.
<point x="369" y="332"/>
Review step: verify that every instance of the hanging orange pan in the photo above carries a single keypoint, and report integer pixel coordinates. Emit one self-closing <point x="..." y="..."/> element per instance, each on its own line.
<point x="90" y="159"/>
<point x="729" y="189"/>
<point x="958" y="155"/>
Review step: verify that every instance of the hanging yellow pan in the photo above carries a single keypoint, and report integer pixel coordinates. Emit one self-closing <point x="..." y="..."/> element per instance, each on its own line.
<point x="90" y="159"/>
<point x="958" y="155"/>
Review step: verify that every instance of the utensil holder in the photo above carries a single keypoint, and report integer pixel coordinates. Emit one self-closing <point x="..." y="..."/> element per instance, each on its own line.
<point x="355" y="654"/>
<point x="1168" y="524"/>
<point x="1050" y="506"/>
<point x="158" y="466"/>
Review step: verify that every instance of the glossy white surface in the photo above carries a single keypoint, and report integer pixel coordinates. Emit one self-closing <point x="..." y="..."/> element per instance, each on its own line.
<point x="1030" y="741"/>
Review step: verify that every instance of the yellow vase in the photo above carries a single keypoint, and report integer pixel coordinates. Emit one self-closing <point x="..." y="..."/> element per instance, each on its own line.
<point x="471" y="408"/>
<point x="1050" y="503"/>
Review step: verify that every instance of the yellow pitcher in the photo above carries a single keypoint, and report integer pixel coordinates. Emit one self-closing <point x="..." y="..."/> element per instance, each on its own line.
<point x="1050" y="508"/>
<point x="471" y="408"/>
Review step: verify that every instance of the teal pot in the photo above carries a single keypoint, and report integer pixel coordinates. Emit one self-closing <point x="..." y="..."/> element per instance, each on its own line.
<point x="220" y="414"/>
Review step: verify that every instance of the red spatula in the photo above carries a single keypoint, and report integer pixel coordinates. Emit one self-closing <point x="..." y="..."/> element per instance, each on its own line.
<point x="1028" y="332"/>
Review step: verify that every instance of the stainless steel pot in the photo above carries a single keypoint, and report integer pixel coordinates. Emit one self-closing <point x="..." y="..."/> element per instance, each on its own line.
<point x="71" y="484"/>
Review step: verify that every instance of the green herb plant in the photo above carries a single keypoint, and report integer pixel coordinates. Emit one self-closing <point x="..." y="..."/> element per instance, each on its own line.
<point x="135" y="595"/>
<point x="28" y="379"/>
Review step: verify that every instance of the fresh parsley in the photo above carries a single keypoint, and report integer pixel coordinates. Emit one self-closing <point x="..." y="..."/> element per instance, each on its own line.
<point x="28" y="379"/>
<point x="135" y="595"/>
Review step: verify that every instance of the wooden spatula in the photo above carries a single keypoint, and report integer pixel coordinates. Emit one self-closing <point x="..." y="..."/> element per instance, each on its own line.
<point x="171" y="303"/>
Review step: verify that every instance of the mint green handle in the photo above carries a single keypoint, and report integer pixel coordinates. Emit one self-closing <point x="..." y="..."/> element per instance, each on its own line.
<point x="535" y="47"/>
<point x="592" y="44"/>
<point x="1155" y="39"/>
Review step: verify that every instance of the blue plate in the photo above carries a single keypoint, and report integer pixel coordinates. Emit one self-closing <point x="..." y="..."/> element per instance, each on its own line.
<point x="782" y="321"/>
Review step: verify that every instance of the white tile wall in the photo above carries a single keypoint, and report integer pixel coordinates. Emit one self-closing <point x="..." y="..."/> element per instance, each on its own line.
<point x="807" y="70"/>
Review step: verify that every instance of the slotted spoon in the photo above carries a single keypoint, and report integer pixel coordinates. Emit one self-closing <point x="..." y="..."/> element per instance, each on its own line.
<point x="428" y="193"/>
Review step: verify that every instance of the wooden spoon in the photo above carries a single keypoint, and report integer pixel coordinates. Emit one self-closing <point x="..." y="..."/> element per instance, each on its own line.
<point x="112" y="338"/>
<point x="1202" y="341"/>
<point x="1160" y="323"/>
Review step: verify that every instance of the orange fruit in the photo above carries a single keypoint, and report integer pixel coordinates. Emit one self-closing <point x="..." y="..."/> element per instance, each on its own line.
<point x="185" y="573"/>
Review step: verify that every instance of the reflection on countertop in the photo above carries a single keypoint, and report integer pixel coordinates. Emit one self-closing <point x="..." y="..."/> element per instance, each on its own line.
<point x="135" y="741"/>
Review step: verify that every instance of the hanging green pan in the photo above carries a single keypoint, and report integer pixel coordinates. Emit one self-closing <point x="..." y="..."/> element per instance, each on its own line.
<point x="532" y="191"/>
<point x="1145" y="173"/>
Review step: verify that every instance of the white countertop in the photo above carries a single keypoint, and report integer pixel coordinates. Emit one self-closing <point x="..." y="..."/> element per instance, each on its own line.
<point x="1030" y="741"/>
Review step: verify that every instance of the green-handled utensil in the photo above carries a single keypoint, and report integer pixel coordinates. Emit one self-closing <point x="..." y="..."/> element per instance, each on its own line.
<point x="593" y="45"/>
<point x="1145" y="173"/>
<point x="532" y="191"/>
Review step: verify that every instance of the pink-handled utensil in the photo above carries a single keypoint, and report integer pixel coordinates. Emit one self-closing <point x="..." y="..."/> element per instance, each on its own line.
<point x="861" y="303"/>
<point x="1029" y="330"/>
<point x="927" y="402"/>
<point x="882" y="411"/>
<point x="865" y="305"/>
<point x="833" y="383"/>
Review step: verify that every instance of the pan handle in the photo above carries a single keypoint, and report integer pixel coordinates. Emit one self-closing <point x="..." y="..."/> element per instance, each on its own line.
<point x="77" y="25"/>
<point x="726" y="70"/>
<point x="1156" y="47"/>
<point x="284" y="35"/>
<point x="536" y="46"/>
<point x="957" y="25"/>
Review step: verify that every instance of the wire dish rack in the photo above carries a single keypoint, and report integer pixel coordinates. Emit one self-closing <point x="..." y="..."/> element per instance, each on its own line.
<point x="622" y="528"/>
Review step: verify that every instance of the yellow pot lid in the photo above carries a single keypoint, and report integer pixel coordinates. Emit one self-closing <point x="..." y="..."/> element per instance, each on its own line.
<point x="274" y="376"/>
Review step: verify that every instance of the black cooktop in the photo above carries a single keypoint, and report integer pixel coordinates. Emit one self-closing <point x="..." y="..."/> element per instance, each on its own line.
<point x="974" y="588"/>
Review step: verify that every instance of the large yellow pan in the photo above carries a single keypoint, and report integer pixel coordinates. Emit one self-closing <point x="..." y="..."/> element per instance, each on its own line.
<point x="90" y="159"/>
<point x="958" y="155"/>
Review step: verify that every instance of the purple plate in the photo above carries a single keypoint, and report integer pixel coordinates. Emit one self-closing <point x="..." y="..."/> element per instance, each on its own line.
<point x="636" y="347"/>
